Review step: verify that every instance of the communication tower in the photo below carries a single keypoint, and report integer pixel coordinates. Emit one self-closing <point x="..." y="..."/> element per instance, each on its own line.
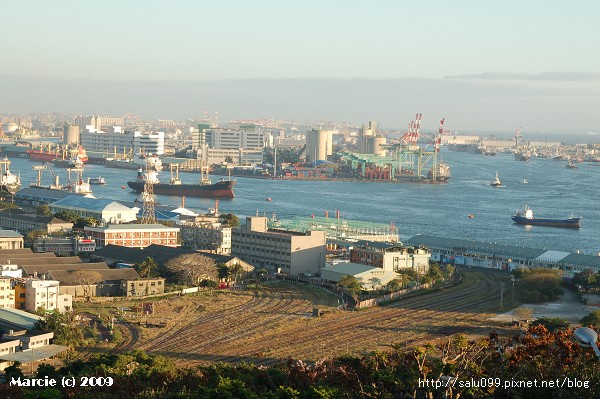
<point x="148" y="215"/>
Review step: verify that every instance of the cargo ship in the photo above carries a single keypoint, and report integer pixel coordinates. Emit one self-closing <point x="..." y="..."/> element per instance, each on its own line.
<point x="220" y="189"/>
<point x="526" y="217"/>
<point x="9" y="182"/>
<point x="70" y="156"/>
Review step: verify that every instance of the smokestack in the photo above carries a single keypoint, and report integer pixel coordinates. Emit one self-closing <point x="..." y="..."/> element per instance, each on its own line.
<point x="183" y="201"/>
<point x="216" y="207"/>
<point x="337" y="214"/>
<point x="326" y="214"/>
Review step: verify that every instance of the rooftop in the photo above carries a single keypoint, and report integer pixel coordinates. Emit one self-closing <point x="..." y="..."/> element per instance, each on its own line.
<point x="67" y="277"/>
<point x="29" y="217"/>
<point x="132" y="226"/>
<point x="10" y="234"/>
<point x="89" y="204"/>
<point x="42" y="194"/>
<point x="18" y="318"/>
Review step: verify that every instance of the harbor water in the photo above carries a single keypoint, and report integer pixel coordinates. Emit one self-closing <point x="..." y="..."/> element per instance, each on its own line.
<point x="552" y="191"/>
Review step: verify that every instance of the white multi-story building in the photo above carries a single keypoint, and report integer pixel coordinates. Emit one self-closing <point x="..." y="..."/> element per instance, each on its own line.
<point x="97" y="121"/>
<point x="46" y="294"/>
<point x="235" y="139"/>
<point x="149" y="143"/>
<point x="7" y="293"/>
<point x="282" y="251"/>
<point x="206" y="235"/>
<point x="115" y="140"/>
<point x="237" y="157"/>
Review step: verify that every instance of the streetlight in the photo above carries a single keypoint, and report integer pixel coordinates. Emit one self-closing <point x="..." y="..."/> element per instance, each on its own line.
<point x="587" y="337"/>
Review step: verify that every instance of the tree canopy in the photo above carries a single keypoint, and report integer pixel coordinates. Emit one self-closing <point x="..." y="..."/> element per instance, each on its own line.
<point x="191" y="269"/>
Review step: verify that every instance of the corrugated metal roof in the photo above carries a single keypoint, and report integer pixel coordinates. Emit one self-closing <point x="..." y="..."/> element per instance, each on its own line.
<point x="349" y="268"/>
<point x="44" y="193"/>
<point x="19" y="317"/>
<point x="587" y="261"/>
<point x="87" y="204"/>
<point x="476" y="246"/>
<point x="40" y="270"/>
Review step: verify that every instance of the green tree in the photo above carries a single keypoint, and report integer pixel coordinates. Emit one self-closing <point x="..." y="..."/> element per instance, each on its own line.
<point x="67" y="216"/>
<point x="592" y="319"/>
<point x="434" y="273"/>
<point x="146" y="268"/>
<point x="229" y="219"/>
<point x="193" y="268"/>
<point x="223" y="271"/>
<point x="43" y="210"/>
<point x="33" y="234"/>
<point x="83" y="222"/>
<point x="552" y="323"/>
<point x="13" y="371"/>
<point x="350" y="286"/>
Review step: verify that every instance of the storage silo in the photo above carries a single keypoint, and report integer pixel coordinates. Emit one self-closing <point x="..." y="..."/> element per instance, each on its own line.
<point x="70" y="134"/>
<point x="376" y="145"/>
<point x="316" y="145"/>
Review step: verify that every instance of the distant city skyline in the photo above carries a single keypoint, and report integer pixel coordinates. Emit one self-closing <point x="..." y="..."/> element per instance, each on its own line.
<point x="492" y="66"/>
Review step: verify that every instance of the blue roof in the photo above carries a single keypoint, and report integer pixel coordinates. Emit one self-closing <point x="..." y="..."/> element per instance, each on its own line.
<point x="87" y="203"/>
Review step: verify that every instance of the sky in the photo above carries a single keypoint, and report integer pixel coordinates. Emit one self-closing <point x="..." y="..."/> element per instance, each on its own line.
<point x="483" y="65"/>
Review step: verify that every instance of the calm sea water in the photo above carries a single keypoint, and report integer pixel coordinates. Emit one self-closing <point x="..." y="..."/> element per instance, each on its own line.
<point x="552" y="191"/>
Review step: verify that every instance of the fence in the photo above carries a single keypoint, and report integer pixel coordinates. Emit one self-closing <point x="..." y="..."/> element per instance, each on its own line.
<point x="367" y="303"/>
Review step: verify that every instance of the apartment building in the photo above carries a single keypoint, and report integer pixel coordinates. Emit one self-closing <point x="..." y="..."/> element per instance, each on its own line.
<point x="7" y="293"/>
<point x="393" y="257"/>
<point x="46" y="294"/>
<point x="281" y="251"/>
<point x="205" y="234"/>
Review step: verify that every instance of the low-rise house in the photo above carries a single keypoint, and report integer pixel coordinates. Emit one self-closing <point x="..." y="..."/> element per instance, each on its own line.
<point x="10" y="239"/>
<point x="394" y="257"/>
<point x="143" y="286"/>
<point x="370" y="277"/>
<point x="64" y="246"/>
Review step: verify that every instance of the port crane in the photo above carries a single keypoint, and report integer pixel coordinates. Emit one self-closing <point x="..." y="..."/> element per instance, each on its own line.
<point x="46" y="166"/>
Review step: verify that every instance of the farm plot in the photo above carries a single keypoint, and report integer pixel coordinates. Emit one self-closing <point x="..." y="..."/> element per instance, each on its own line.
<point x="275" y="324"/>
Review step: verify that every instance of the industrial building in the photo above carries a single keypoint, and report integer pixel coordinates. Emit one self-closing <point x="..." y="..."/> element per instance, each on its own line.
<point x="117" y="141"/>
<point x="36" y="196"/>
<point x="205" y="235"/>
<point x="369" y="142"/>
<point x="103" y="210"/>
<point x="504" y="257"/>
<point x="64" y="246"/>
<point x="280" y="251"/>
<point x="319" y="145"/>
<point x="70" y="134"/>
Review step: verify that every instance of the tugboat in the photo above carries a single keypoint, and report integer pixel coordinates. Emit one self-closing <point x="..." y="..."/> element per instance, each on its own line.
<point x="97" y="180"/>
<point x="571" y="164"/>
<point x="9" y="182"/>
<point x="526" y="217"/>
<point x="496" y="182"/>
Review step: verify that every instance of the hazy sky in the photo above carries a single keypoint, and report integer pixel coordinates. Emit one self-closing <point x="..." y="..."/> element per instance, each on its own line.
<point x="541" y="55"/>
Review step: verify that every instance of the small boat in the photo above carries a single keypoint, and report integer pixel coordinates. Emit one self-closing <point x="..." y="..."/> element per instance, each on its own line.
<point x="268" y="198"/>
<point x="526" y="217"/>
<point x="525" y="181"/>
<point x="496" y="182"/>
<point x="97" y="180"/>
<point x="471" y="216"/>
<point x="571" y="164"/>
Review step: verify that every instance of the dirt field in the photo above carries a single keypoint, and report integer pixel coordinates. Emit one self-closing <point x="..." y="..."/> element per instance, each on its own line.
<point x="267" y="325"/>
